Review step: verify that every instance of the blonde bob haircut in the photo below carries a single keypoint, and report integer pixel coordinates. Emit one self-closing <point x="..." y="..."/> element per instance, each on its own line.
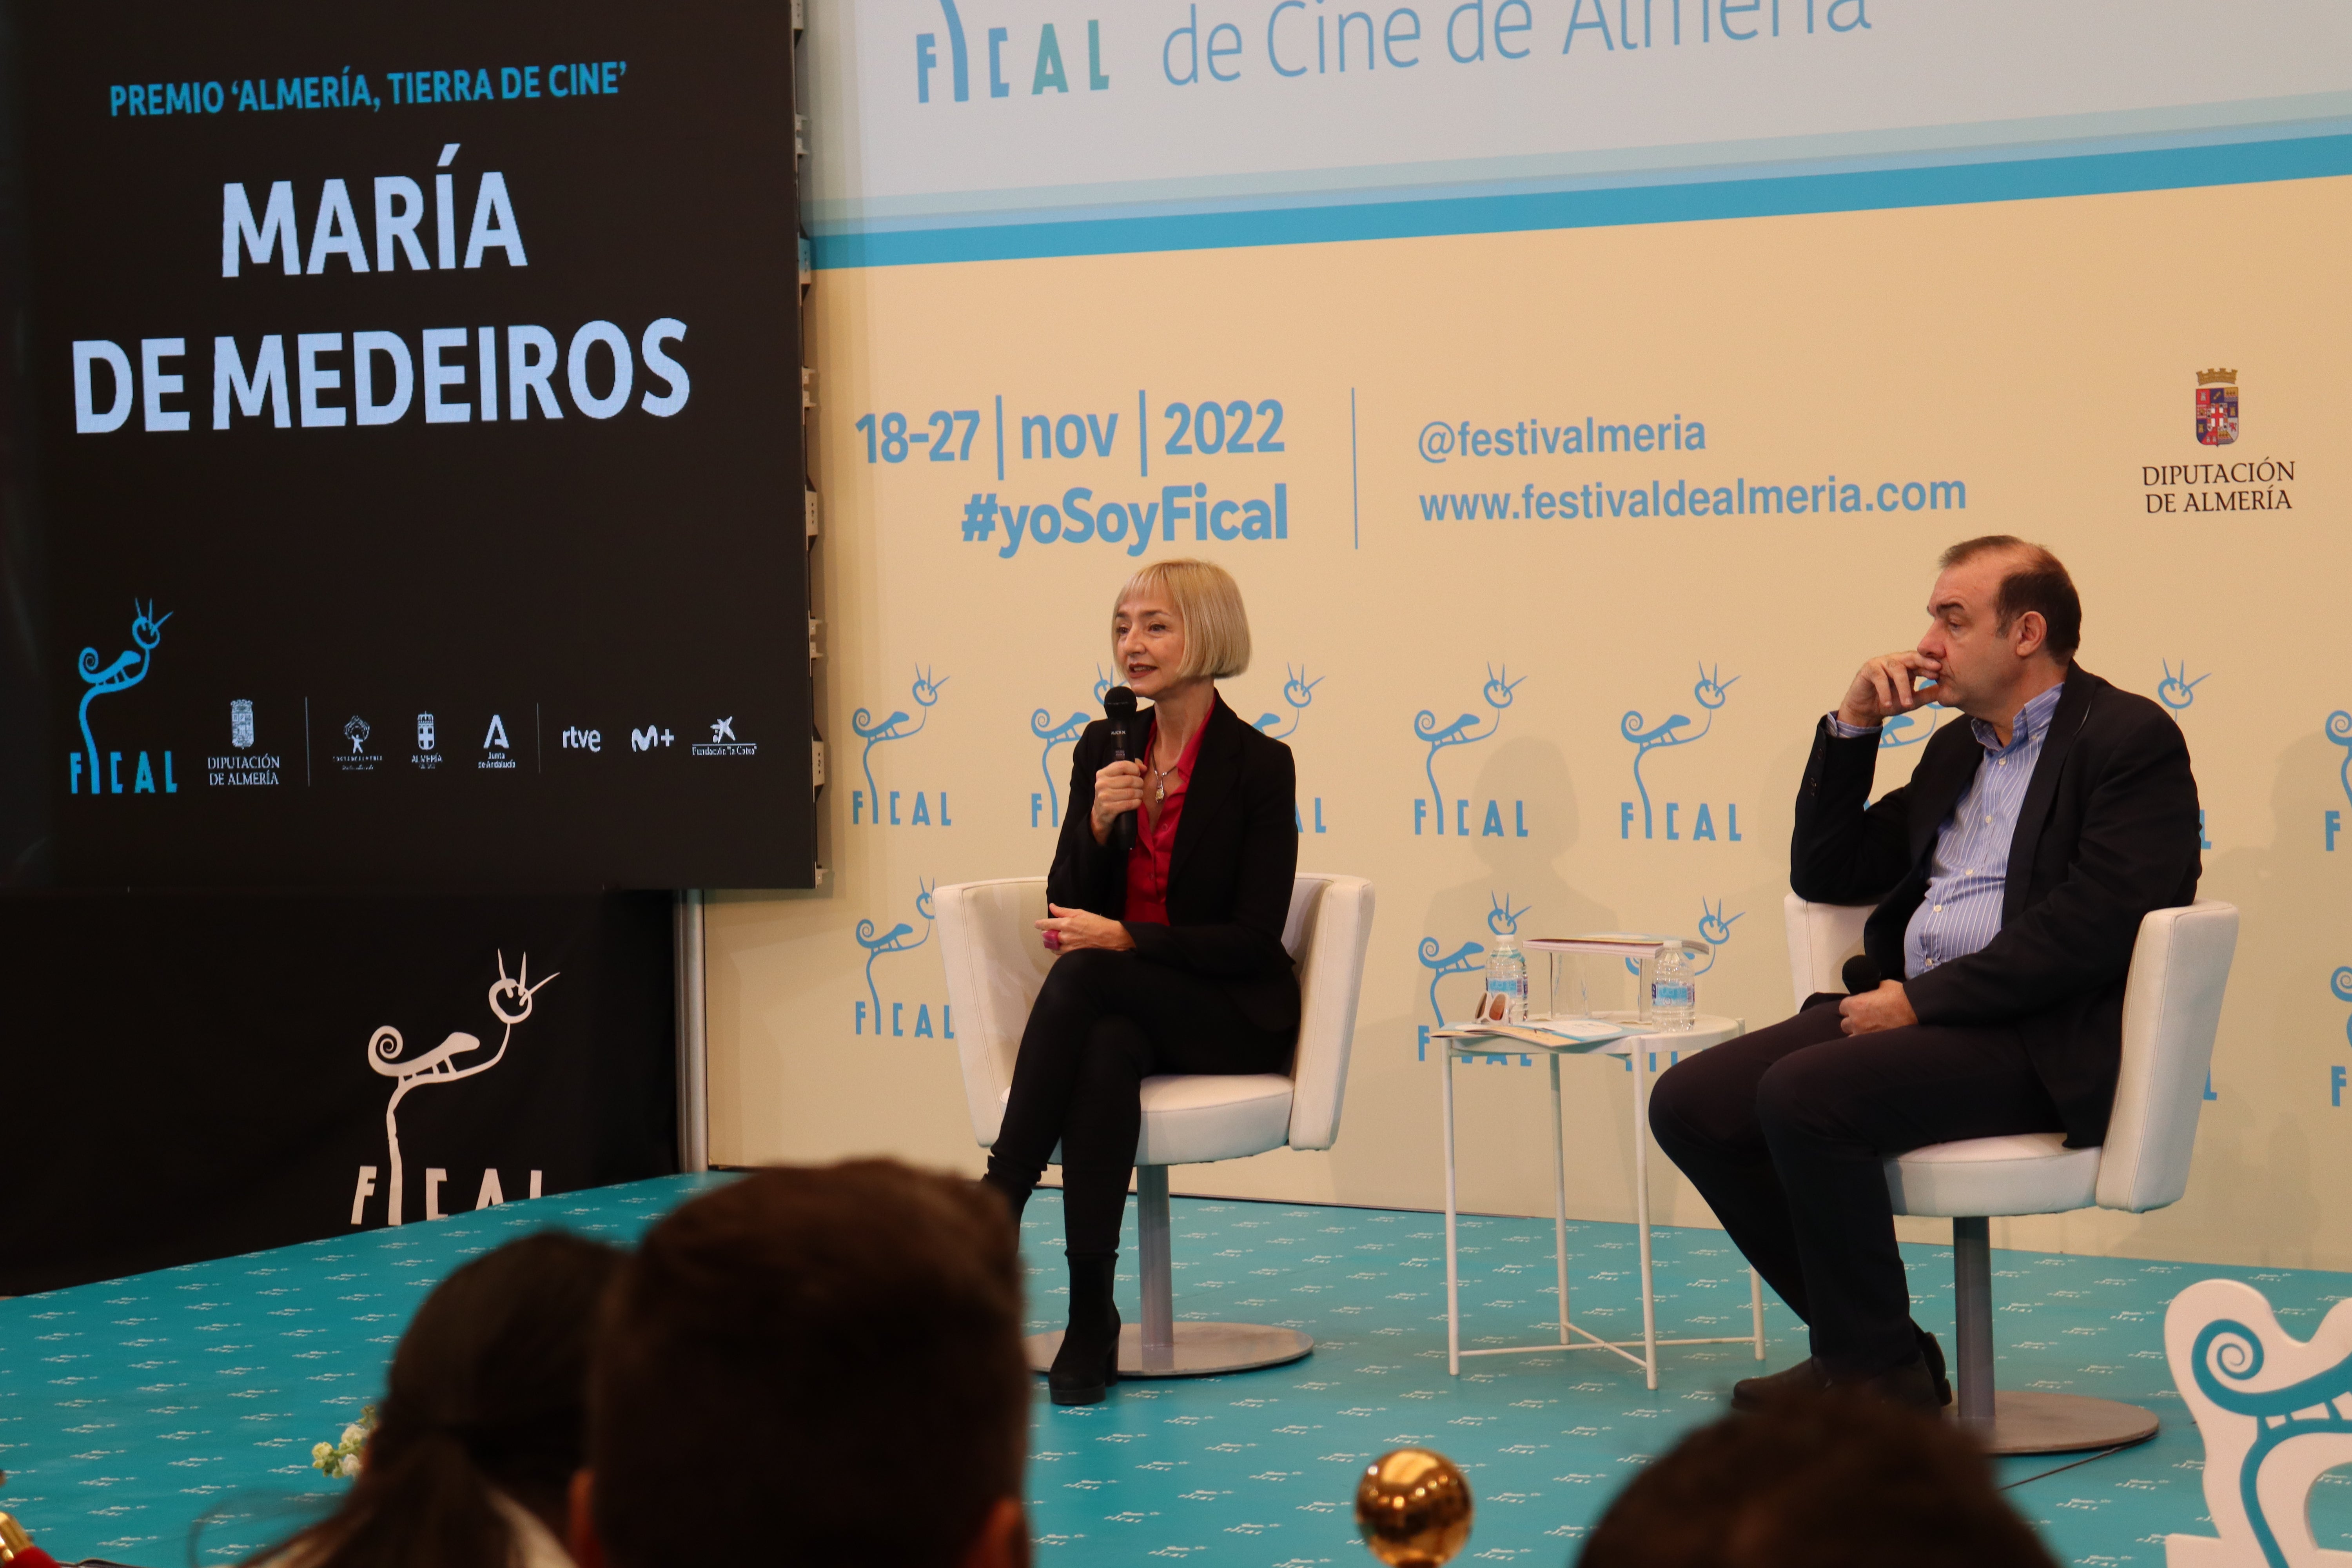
<point x="1209" y="601"/>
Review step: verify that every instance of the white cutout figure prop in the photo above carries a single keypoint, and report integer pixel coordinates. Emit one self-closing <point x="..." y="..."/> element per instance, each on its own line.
<point x="2275" y="1411"/>
<point x="510" y="1002"/>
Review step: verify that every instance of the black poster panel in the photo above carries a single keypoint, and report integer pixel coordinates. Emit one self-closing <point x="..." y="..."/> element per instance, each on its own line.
<point x="191" y="1077"/>
<point x="414" y="413"/>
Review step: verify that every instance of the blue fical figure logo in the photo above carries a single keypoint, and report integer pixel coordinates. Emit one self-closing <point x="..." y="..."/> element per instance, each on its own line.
<point x="926" y="692"/>
<point x="2339" y="729"/>
<point x="1897" y="730"/>
<point x="1463" y="731"/>
<point x="2307" y="1407"/>
<point x="1463" y="960"/>
<point x="1714" y="929"/>
<point x="892" y="941"/>
<point x="2176" y="690"/>
<point x="1711" y="693"/>
<point x="1041" y="726"/>
<point x="1299" y="693"/>
<point x="129" y="669"/>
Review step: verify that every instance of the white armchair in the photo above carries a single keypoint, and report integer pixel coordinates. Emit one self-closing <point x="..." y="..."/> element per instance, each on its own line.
<point x="2172" y="1006"/>
<point x="995" y="967"/>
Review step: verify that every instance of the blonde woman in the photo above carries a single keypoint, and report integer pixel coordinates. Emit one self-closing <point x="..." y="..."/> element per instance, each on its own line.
<point x="1170" y="956"/>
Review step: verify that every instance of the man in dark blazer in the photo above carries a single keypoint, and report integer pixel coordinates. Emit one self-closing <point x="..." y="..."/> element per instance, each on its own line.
<point x="2010" y="876"/>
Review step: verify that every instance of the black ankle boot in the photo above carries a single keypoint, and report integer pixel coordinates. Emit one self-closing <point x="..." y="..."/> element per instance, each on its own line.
<point x="1087" y="1363"/>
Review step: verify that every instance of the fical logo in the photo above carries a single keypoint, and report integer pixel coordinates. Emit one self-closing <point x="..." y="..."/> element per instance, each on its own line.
<point x="1041" y="727"/>
<point x="1711" y="693"/>
<point x="2339" y="729"/>
<point x="1465" y="732"/>
<point x="878" y="944"/>
<point x="1899" y="729"/>
<point x="866" y="807"/>
<point x="1048" y="74"/>
<point x="105" y="679"/>
<point x="510" y="1003"/>
<point x="1297" y="694"/>
<point x="2340" y="985"/>
<point x="1502" y="919"/>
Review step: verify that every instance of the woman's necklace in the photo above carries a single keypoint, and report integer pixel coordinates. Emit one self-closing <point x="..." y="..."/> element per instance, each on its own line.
<point x="1159" y="777"/>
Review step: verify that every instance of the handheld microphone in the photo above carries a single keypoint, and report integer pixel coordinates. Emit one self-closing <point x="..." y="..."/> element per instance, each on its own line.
<point x="1860" y="975"/>
<point x="1119" y="706"/>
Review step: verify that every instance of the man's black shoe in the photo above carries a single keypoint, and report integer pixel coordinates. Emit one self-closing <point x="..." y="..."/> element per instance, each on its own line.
<point x="1933" y="1354"/>
<point x="1803" y="1381"/>
<point x="1912" y="1385"/>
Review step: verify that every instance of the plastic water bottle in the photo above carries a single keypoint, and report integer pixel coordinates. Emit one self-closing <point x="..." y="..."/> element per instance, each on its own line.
<point x="1674" y="990"/>
<point x="1505" y="1001"/>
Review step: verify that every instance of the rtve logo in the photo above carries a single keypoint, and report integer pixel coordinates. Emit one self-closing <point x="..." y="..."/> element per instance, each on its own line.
<point x="1048" y="74"/>
<point x="578" y="740"/>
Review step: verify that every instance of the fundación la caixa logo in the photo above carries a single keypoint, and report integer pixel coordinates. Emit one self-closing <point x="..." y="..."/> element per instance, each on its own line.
<point x="91" y="770"/>
<point x="880" y="944"/>
<point x="866" y="806"/>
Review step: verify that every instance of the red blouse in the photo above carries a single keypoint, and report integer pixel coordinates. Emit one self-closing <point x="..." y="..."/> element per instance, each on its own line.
<point x="1147" y="863"/>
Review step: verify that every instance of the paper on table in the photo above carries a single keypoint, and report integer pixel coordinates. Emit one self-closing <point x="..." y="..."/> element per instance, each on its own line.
<point x="1550" y="1033"/>
<point x="1632" y="944"/>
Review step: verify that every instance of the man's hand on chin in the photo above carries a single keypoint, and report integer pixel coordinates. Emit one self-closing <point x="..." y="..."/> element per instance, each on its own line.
<point x="1884" y="1008"/>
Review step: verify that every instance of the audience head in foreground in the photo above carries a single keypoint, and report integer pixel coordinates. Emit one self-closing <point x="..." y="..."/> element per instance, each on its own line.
<point x="483" y="1420"/>
<point x="814" y="1365"/>
<point x="1837" y="1481"/>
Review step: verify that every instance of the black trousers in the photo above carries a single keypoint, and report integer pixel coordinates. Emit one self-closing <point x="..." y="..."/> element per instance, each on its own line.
<point x="1104" y="1023"/>
<point x="1784" y="1131"/>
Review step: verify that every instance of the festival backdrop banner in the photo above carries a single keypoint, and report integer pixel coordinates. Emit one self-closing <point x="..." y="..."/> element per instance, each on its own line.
<point x="1580" y="391"/>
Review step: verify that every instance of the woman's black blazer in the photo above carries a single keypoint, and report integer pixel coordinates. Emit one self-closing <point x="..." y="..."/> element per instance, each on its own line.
<point x="1229" y="877"/>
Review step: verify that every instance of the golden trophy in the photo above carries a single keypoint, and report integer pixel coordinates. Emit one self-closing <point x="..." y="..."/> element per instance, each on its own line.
<point x="1413" y="1507"/>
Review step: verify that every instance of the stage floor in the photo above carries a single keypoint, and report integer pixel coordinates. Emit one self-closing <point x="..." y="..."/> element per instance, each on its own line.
<point x="167" y="1419"/>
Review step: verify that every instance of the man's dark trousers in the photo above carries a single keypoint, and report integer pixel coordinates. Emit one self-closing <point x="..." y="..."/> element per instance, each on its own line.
<point x="1785" y="1132"/>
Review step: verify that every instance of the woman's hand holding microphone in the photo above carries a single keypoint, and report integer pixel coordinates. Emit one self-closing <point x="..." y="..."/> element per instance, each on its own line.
<point x="1118" y="789"/>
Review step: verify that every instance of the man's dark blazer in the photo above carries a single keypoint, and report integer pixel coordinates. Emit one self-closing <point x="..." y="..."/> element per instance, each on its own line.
<point x="1229" y="876"/>
<point x="2107" y="832"/>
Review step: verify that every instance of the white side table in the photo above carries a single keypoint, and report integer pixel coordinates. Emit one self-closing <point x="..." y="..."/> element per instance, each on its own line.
<point x="1642" y="1050"/>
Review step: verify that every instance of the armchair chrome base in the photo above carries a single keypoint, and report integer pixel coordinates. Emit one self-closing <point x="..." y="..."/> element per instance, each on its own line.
<point x="1160" y="1346"/>
<point x="1200" y="1350"/>
<point x="2029" y="1423"/>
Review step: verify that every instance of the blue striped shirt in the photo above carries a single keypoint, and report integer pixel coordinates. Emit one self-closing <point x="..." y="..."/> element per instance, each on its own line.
<point x="1968" y="877"/>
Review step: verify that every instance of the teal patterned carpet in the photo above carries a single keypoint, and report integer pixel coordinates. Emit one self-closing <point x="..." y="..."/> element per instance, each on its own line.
<point x="166" y="1420"/>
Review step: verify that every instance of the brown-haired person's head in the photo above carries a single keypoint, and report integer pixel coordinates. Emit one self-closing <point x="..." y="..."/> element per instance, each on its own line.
<point x="484" y="1417"/>
<point x="1840" y="1481"/>
<point x="823" y="1364"/>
